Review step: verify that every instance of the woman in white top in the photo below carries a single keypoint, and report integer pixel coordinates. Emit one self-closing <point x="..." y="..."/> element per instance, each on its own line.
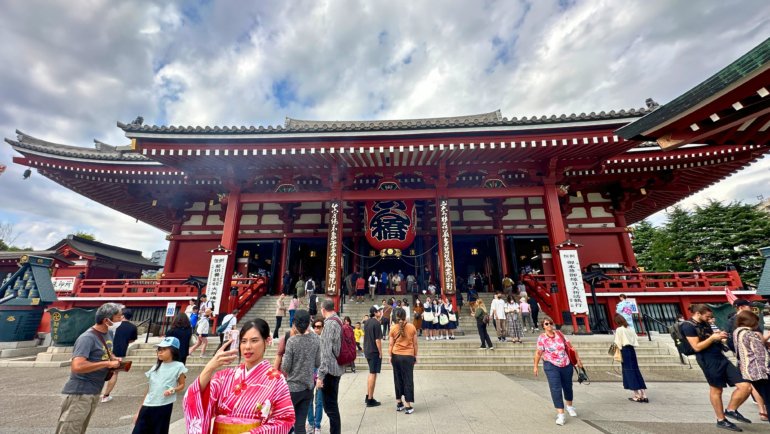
<point x="513" y="324"/>
<point x="626" y="340"/>
<point x="452" y="325"/>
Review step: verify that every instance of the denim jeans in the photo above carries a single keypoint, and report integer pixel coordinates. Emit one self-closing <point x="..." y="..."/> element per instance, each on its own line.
<point x="314" y="417"/>
<point x="559" y="380"/>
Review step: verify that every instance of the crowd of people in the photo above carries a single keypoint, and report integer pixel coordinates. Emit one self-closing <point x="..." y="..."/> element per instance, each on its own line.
<point x="302" y="383"/>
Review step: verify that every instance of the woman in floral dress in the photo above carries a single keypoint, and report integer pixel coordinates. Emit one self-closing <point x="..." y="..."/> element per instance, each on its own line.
<point x="252" y="397"/>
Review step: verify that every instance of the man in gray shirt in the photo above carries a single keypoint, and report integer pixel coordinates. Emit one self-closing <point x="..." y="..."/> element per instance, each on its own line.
<point x="302" y="356"/>
<point x="330" y="371"/>
<point x="91" y="360"/>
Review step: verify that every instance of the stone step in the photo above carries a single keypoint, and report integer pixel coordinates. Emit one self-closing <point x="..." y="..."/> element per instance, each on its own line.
<point x="22" y="352"/>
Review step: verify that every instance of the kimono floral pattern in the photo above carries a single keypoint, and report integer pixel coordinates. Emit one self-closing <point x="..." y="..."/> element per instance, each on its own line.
<point x="233" y="396"/>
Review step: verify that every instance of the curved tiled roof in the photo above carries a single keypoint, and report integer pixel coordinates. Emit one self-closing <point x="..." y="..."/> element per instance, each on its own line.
<point x="101" y="151"/>
<point x="492" y="119"/>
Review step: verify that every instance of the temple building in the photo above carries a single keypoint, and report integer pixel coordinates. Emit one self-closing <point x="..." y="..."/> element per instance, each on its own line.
<point x="536" y="198"/>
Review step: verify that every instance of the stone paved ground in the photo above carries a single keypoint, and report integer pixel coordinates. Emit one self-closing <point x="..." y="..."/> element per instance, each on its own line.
<point x="447" y="402"/>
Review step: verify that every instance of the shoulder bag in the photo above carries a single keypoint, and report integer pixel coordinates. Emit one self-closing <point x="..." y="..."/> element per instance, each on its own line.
<point x="124" y="366"/>
<point x="571" y="353"/>
<point x="427" y="316"/>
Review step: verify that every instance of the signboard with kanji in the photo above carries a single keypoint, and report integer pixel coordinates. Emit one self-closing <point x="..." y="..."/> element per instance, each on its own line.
<point x="216" y="281"/>
<point x="63" y="284"/>
<point x="573" y="281"/>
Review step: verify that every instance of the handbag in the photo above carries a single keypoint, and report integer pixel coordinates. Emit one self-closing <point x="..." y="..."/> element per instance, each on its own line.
<point x="571" y="353"/>
<point x="427" y="316"/>
<point x="614" y="351"/>
<point x="443" y="319"/>
<point x="452" y="317"/>
<point x="582" y="376"/>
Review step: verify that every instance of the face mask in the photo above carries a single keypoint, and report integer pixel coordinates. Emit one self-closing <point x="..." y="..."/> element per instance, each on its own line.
<point x="113" y="325"/>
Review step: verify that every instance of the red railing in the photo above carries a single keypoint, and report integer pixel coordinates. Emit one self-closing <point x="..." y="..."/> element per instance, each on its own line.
<point x="249" y="290"/>
<point x="131" y="288"/>
<point x="670" y="282"/>
<point x="659" y="282"/>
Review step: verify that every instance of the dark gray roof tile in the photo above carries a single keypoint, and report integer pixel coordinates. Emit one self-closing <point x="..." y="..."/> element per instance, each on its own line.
<point x="101" y="151"/>
<point x="316" y="126"/>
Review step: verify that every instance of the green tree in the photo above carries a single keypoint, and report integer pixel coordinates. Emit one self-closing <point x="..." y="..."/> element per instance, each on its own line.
<point x="713" y="236"/>
<point x="85" y="235"/>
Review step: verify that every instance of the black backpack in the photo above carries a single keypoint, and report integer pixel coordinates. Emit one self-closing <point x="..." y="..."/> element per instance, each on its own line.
<point x="680" y="340"/>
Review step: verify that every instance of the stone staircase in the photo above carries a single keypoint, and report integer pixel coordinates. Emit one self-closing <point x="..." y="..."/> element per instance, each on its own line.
<point x="658" y="359"/>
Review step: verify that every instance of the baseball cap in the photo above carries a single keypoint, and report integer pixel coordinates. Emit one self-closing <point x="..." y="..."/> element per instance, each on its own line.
<point x="741" y="302"/>
<point x="373" y="310"/>
<point x="169" y="341"/>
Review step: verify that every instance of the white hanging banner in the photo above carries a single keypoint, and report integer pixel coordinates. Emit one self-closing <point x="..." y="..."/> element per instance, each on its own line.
<point x="573" y="280"/>
<point x="216" y="280"/>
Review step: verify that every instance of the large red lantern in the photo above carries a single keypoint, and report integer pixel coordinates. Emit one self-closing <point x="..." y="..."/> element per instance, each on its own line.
<point x="390" y="224"/>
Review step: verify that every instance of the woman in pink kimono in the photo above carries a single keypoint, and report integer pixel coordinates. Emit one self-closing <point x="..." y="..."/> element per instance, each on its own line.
<point x="252" y="397"/>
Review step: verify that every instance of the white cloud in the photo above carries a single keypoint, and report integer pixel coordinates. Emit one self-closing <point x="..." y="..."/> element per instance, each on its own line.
<point x="73" y="68"/>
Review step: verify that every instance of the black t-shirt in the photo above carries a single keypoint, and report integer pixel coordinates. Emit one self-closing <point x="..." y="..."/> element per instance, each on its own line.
<point x="372" y="332"/>
<point x="702" y="331"/>
<point x="124" y="334"/>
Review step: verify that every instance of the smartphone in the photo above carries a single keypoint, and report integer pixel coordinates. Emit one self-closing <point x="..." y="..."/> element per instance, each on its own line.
<point x="234" y="335"/>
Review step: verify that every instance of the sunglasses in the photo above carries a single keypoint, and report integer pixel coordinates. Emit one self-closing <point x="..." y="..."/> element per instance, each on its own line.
<point x="319" y="326"/>
<point x="547" y="323"/>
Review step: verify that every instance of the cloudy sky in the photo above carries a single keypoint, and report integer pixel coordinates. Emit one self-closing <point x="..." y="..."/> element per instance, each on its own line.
<point x="71" y="69"/>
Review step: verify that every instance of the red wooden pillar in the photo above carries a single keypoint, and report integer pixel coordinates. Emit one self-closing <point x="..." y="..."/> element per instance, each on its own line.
<point x="625" y="242"/>
<point x="503" y="253"/>
<point x="334" y="253"/>
<point x="354" y="257"/>
<point x="230" y="242"/>
<point x="556" y="235"/>
<point x="173" y="248"/>
<point x="284" y="260"/>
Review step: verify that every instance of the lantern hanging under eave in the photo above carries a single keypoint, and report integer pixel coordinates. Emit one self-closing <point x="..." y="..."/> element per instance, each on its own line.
<point x="390" y="224"/>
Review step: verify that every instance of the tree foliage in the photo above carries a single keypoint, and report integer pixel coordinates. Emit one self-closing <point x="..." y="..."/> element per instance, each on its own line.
<point x="85" y="235"/>
<point x="714" y="237"/>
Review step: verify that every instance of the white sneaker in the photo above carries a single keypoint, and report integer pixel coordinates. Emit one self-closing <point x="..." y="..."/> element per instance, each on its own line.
<point x="571" y="411"/>
<point x="107" y="398"/>
<point x="560" y="419"/>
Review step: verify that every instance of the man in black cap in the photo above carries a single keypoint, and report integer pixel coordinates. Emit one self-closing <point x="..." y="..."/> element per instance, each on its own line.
<point x="373" y="352"/>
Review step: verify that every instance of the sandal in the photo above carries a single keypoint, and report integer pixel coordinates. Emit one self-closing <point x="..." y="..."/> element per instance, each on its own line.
<point x="635" y="399"/>
<point x="763" y="417"/>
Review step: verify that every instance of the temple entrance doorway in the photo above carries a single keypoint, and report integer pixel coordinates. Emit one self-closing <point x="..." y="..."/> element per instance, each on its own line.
<point x="477" y="256"/>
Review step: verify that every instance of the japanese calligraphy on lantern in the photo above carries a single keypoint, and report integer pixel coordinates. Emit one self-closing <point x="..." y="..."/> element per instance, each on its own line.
<point x="573" y="280"/>
<point x="390" y="224"/>
<point x="332" y="265"/>
<point x="445" y="247"/>
<point x="216" y="280"/>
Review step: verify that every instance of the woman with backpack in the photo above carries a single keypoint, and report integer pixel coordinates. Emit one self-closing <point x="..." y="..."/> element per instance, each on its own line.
<point x="752" y="353"/>
<point x="626" y="340"/>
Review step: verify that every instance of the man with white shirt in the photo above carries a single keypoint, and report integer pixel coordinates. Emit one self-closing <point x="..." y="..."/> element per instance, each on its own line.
<point x="497" y="312"/>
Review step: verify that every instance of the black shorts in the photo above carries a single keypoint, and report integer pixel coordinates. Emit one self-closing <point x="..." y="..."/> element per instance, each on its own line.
<point x="720" y="372"/>
<point x="375" y="364"/>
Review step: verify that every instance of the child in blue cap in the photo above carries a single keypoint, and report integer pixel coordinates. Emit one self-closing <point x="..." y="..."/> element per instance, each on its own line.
<point x="167" y="379"/>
